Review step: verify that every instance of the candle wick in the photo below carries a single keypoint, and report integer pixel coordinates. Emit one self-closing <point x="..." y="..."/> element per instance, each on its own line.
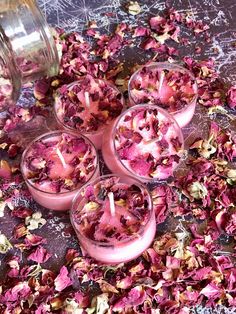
<point x="162" y="76"/>
<point x="112" y="203"/>
<point x="152" y="140"/>
<point x="59" y="154"/>
<point x="87" y="100"/>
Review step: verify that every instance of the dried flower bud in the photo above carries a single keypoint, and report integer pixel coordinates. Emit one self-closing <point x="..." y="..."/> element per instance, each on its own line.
<point x="207" y="149"/>
<point x="231" y="176"/>
<point x="71" y="306"/>
<point x="56" y="303"/>
<point x="197" y="190"/>
<point x="134" y="8"/>
<point x="35" y="221"/>
<point x="5" y="245"/>
<point x="91" y="206"/>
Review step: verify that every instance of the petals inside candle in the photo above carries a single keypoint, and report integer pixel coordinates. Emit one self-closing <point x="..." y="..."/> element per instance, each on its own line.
<point x="59" y="154"/>
<point x="112" y="203"/>
<point x="87" y="100"/>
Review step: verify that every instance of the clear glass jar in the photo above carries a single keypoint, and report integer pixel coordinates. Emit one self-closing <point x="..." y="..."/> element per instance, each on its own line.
<point x="27" y="48"/>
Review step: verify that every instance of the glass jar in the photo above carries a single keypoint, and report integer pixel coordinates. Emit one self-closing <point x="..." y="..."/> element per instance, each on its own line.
<point x="27" y="48"/>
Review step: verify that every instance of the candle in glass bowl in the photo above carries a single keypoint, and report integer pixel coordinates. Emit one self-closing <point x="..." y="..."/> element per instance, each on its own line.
<point x="113" y="218"/>
<point x="170" y="86"/>
<point x="87" y="106"/>
<point x="56" y="165"/>
<point x="145" y="142"/>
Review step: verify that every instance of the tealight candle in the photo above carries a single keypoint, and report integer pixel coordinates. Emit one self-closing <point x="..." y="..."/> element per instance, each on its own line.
<point x="87" y="106"/>
<point x="56" y="165"/>
<point x="170" y="86"/>
<point x="145" y="142"/>
<point x="114" y="219"/>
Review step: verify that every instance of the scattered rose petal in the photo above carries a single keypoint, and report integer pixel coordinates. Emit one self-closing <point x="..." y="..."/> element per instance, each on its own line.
<point x="40" y="255"/>
<point x="62" y="281"/>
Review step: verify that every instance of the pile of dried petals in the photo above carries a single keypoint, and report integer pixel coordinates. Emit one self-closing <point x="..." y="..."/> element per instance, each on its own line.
<point x="184" y="267"/>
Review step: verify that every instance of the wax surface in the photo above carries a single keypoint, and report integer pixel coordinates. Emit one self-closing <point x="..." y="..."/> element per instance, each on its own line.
<point x="59" y="163"/>
<point x="146" y="142"/>
<point x="97" y="222"/>
<point x="114" y="236"/>
<point x="88" y="104"/>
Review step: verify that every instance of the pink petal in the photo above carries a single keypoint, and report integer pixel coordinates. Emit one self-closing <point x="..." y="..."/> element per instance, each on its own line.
<point x="62" y="281"/>
<point x="40" y="255"/>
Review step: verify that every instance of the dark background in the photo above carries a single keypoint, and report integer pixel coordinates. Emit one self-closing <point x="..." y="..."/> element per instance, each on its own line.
<point x="74" y="15"/>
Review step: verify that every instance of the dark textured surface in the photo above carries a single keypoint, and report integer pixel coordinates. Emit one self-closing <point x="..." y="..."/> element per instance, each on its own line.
<point x="74" y="15"/>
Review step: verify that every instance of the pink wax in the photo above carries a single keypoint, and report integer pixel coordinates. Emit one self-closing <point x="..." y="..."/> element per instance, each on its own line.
<point x="114" y="219"/>
<point x="145" y="142"/>
<point x="56" y="165"/>
<point x="88" y="106"/>
<point x="170" y="86"/>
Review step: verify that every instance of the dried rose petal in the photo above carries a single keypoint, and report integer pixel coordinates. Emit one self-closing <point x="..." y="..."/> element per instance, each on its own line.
<point x="135" y="297"/>
<point x="40" y="255"/>
<point x="5" y="169"/>
<point x="231" y="97"/>
<point x="20" y="291"/>
<point x="62" y="281"/>
<point x="211" y="291"/>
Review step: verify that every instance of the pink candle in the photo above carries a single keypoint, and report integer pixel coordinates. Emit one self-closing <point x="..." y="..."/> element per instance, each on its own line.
<point x="87" y="106"/>
<point x="167" y="85"/>
<point x="145" y="142"/>
<point x="56" y="165"/>
<point x="114" y="218"/>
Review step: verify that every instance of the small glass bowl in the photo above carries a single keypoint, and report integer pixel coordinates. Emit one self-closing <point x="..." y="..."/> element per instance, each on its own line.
<point x="94" y="136"/>
<point x="182" y="108"/>
<point x="116" y="250"/>
<point x="51" y="200"/>
<point x="121" y="164"/>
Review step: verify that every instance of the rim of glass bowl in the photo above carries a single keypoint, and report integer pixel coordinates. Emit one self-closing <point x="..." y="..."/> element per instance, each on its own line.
<point x="94" y="181"/>
<point x="24" y="155"/>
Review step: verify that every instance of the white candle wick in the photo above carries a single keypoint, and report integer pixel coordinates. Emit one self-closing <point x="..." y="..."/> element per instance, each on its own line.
<point x="112" y="203"/>
<point x="162" y="77"/>
<point x="153" y="140"/>
<point x="87" y="100"/>
<point x="59" y="154"/>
